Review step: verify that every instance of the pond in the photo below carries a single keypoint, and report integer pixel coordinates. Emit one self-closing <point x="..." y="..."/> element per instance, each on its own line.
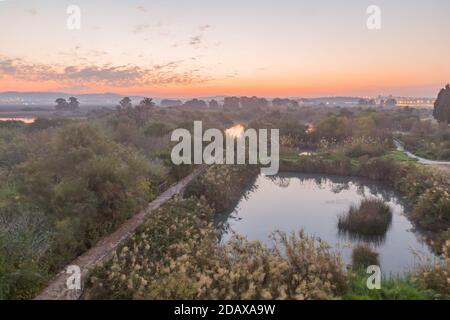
<point x="290" y="202"/>
<point x="24" y="120"/>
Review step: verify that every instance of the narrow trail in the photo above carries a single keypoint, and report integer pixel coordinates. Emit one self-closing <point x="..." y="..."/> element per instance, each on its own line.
<point x="104" y="250"/>
<point x="400" y="147"/>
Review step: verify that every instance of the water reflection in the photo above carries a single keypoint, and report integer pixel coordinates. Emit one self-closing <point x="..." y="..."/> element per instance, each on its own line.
<point x="24" y="120"/>
<point x="290" y="202"/>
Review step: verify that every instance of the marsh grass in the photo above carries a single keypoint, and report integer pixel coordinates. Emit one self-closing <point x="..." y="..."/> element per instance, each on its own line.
<point x="363" y="256"/>
<point x="370" y="220"/>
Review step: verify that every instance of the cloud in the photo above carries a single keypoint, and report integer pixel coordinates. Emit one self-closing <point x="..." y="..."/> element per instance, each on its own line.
<point x="139" y="28"/>
<point x="141" y="9"/>
<point x="195" y="41"/>
<point x="106" y="74"/>
<point x="31" y="11"/>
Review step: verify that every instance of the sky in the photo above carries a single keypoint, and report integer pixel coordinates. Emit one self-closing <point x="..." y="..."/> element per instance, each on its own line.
<point x="185" y="48"/>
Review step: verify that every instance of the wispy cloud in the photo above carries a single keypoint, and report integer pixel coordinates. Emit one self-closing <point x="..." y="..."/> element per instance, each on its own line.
<point x="196" y="40"/>
<point x="141" y="9"/>
<point x="139" y="28"/>
<point x="106" y="74"/>
<point x="31" y="11"/>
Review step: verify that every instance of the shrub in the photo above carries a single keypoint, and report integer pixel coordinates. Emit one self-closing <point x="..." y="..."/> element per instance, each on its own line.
<point x="372" y="218"/>
<point x="436" y="277"/>
<point x="432" y="210"/>
<point x="364" y="146"/>
<point x="157" y="129"/>
<point x="25" y="238"/>
<point x="222" y="185"/>
<point x="379" y="169"/>
<point x="364" y="256"/>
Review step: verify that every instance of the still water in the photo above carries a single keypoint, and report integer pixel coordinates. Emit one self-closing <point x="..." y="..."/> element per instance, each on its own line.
<point x="25" y="120"/>
<point x="290" y="202"/>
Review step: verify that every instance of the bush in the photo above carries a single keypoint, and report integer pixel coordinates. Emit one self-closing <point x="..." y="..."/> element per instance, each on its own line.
<point x="157" y="129"/>
<point x="372" y="218"/>
<point x="432" y="210"/>
<point x="364" y="147"/>
<point x="364" y="256"/>
<point x="379" y="169"/>
<point x="436" y="277"/>
<point x="222" y="185"/>
<point x="25" y="239"/>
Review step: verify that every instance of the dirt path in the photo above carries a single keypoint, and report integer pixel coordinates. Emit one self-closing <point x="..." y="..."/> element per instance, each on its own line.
<point x="443" y="166"/>
<point x="105" y="248"/>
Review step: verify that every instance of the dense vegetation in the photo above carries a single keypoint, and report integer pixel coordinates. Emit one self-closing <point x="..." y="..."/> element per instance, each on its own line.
<point x="184" y="261"/>
<point x="177" y="255"/>
<point x="65" y="184"/>
<point x="371" y="219"/>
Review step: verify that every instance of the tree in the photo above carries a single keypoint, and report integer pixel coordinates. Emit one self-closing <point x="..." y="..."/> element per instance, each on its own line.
<point x="171" y="103"/>
<point x="141" y="113"/>
<point x="73" y="103"/>
<point x="442" y="106"/>
<point x="196" y="103"/>
<point x="61" y="104"/>
<point x="213" y="104"/>
<point x="125" y="103"/>
<point x="147" y="102"/>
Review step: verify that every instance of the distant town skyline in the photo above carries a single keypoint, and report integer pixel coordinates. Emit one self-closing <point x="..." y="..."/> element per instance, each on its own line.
<point x="183" y="49"/>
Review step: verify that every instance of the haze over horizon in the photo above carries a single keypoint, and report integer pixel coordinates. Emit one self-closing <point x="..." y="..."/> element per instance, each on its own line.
<point x="204" y="48"/>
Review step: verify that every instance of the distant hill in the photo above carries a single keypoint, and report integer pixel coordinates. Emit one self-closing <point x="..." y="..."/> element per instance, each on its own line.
<point x="48" y="98"/>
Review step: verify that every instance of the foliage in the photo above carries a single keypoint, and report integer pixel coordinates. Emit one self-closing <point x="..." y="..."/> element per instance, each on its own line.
<point x="62" y="190"/>
<point x="222" y="185"/>
<point x="372" y="218"/>
<point x="393" y="288"/>
<point x="177" y="256"/>
<point x="442" y="106"/>
<point x="436" y="277"/>
<point x="364" y="256"/>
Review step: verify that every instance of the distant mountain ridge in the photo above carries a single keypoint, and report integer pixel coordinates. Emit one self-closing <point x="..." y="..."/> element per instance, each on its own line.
<point x="48" y="98"/>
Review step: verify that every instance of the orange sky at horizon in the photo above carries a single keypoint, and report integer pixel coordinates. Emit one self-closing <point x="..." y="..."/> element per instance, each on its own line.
<point x="178" y="49"/>
<point x="267" y="87"/>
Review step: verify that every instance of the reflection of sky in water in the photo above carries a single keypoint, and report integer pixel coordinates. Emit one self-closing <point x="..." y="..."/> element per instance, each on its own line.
<point x="290" y="202"/>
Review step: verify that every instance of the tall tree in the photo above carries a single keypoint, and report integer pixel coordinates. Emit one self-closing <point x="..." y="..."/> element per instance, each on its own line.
<point x="213" y="104"/>
<point x="147" y="102"/>
<point x="442" y="106"/>
<point x="125" y="103"/>
<point x="73" y="103"/>
<point x="61" y="104"/>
